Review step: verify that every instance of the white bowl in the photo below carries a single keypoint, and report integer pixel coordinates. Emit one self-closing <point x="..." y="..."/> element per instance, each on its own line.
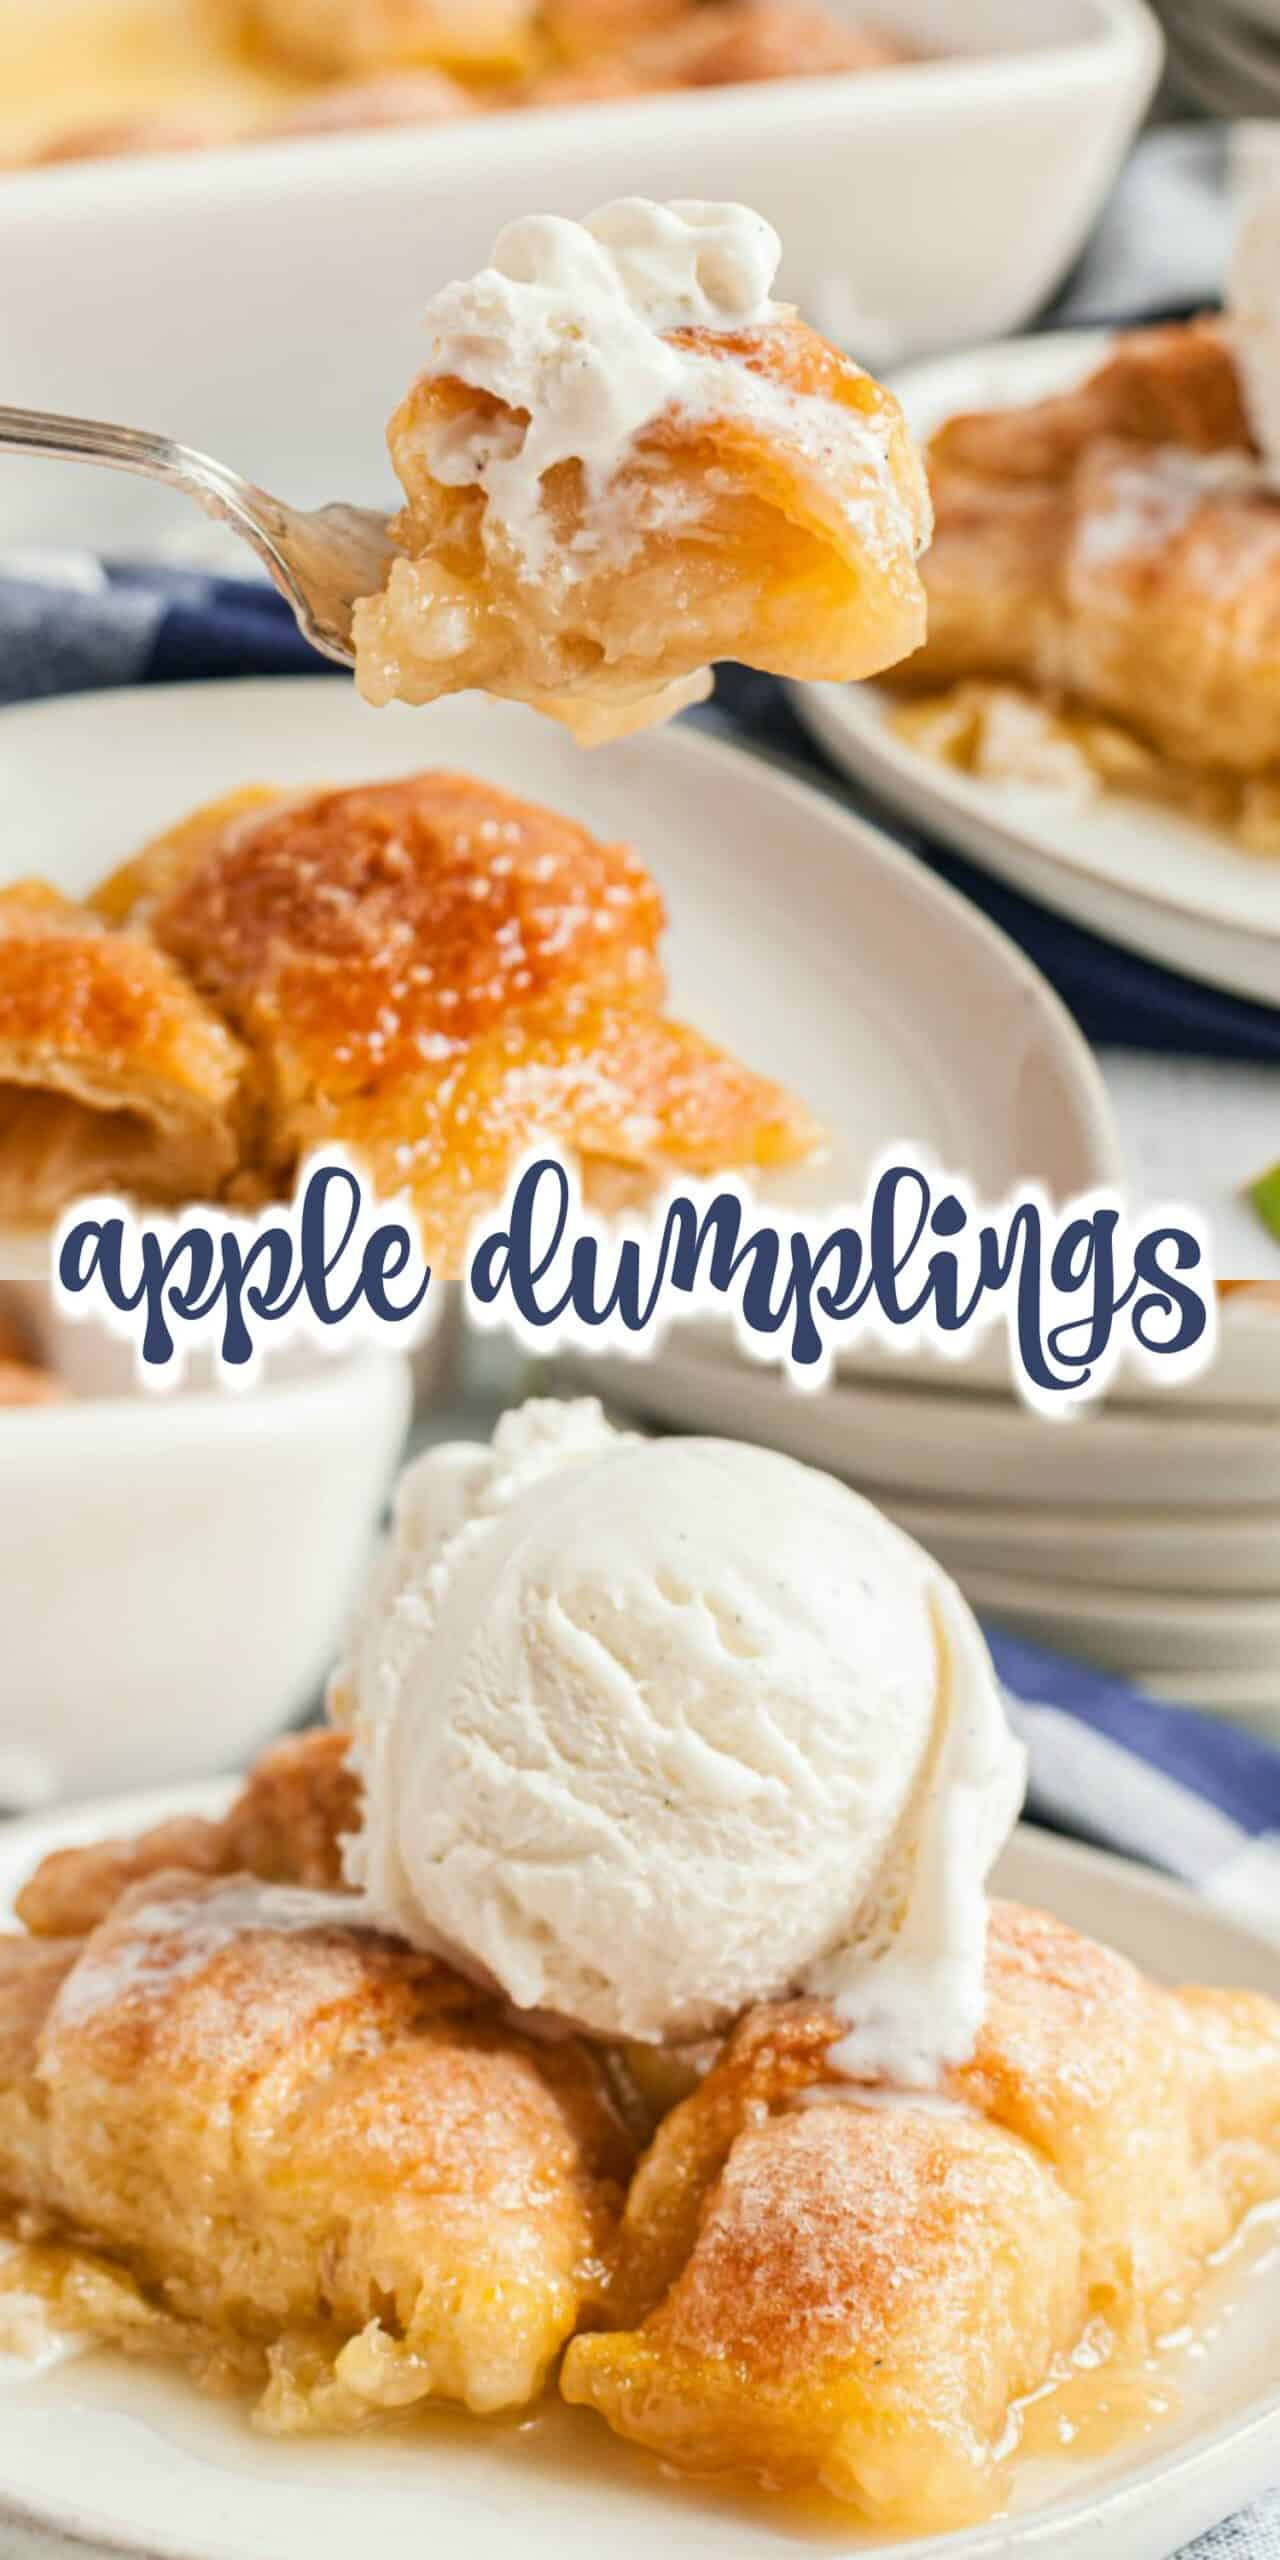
<point x="1151" y="1634"/>
<point x="1243" y="1376"/>
<point x="1096" y="1546"/>
<point x="266" y="303"/>
<point x="178" y="1569"/>
<point x="948" y="1445"/>
<point x="1250" y="1699"/>
<point x="1261" y="15"/>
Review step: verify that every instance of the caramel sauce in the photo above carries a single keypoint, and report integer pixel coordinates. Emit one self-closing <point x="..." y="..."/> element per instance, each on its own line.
<point x="1108" y="2395"/>
<point x="1102" y="2400"/>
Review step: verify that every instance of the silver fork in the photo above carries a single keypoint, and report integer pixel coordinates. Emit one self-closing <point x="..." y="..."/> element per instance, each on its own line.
<point x="322" y="558"/>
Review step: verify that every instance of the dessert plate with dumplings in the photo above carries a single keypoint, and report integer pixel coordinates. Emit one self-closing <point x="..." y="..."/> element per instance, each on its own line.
<point x="165" y="2470"/>
<point x="1088" y="719"/>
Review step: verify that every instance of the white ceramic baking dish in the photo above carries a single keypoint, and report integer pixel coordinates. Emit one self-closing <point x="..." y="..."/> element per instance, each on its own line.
<point x="265" y="302"/>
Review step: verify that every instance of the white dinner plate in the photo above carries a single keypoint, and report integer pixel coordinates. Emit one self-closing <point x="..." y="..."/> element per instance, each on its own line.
<point x="1248" y="1698"/>
<point x="1209" y="1553"/>
<point x="1202" y="74"/>
<point x="802" y="938"/>
<point x="952" y="1445"/>
<point x="1129" y="1630"/>
<point x="1261" y="15"/>
<point x="1244" y="1372"/>
<point x="1177" y="891"/>
<point x="1222" y="60"/>
<point x="100" y="2455"/>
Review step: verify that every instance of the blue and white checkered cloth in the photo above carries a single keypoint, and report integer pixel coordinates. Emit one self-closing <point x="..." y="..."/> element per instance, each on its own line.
<point x="1190" y="1793"/>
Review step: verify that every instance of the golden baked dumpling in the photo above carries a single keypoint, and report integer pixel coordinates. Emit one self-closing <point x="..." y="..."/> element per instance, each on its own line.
<point x="821" y="2289"/>
<point x="424" y="97"/>
<point x="706" y="43"/>
<point x="610" y="26"/>
<point x="772" y="40"/>
<point x="289" y="2151"/>
<point x="428" y="972"/>
<point x="623" y="462"/>
<point x="1104" y="588"/>
<point x="286" y="1826"/>
<point x="341" y="37"/>
<point x="435" y="974"/>
<point x="114" y="1075"/>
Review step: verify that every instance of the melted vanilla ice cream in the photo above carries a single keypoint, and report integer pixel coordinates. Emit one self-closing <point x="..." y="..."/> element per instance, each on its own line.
<point x="1253" y="307"/>
<point x="622" y="460"/>
<point x="570" y="325"/>
<point x="566" y="325"/>
<point x="651" y="1730"/>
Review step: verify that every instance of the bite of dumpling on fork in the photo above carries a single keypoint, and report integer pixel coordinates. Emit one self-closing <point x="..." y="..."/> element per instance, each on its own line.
<point x="624" y="460"/>
<point x="355" y="2099"/>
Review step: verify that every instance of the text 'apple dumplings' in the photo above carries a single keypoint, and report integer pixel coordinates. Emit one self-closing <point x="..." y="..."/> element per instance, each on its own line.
<point x="624" y="461"/>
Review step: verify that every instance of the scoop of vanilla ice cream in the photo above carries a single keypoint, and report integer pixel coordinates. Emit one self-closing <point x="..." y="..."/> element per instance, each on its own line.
<point x="653" y="1729"/>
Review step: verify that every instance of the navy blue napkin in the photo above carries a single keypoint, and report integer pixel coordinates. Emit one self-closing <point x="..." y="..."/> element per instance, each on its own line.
<point x="1194" y="1794"/>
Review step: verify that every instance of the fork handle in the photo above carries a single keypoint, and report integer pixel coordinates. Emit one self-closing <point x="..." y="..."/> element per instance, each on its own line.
<point x="220" y="492"/>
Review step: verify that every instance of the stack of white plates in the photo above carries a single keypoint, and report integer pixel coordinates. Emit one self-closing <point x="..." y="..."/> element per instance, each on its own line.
<point x="1143" y="1535"/>
<point x="1224" y="55"/>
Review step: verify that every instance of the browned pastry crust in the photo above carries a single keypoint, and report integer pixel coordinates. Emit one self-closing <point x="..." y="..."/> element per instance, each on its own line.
<point x="770" y="40"/>
<point x="24" y="1380"/>
<point x="806" y="2287"/>
<point x="243" y="71"/>
<point x="296" y="2155"/>
<point x="21" y="1383"/>
<point x="639" y="45"/>
<point x="1138" y="592"/>
<point x="433" y="973"/>
<point x="345" y="38"/>
<point x="1176" y="385"/>
<point x="113" y="1073"/>
<point x="361" y="106"/>
<point x="285" y="1827"/>
<point x="1114" y="554"/>
<point x="821" y="2292"/>
<point x="122" y="138"/>
<point x="609" y="27"/>
<point x="429" y="972"/>
<point x="785" y="537"/>
<point x="15" y="1349"/>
